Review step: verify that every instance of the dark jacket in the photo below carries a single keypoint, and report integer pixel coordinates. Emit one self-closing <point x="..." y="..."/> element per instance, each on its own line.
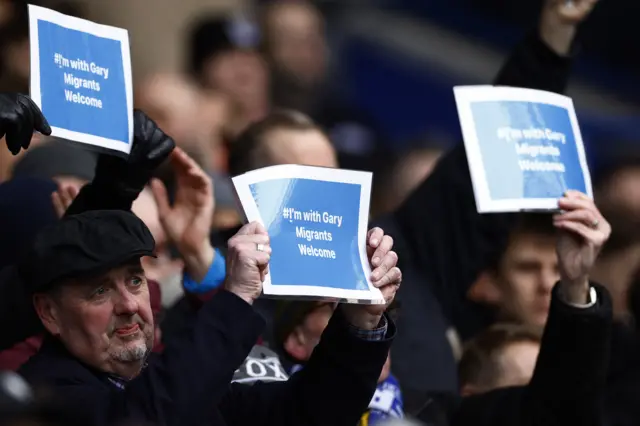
<point x="443" y="244"/>
<point x="568" y="385"/>
<point x="190" y="383"/>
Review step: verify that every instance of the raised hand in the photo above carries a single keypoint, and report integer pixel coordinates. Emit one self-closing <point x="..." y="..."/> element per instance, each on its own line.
<point x="385" y="275"/>
<point x="119" y="181"/>
<point x="559" y="21"/>
<point x="63" y="197"/>
<point x="188" y="221"/>
<point x="19" y="118"/>
<point x="571" y="11"/>
<point x="248" y="261"/>
<point x="151" y="147"/>
<point x="583" y="232"/>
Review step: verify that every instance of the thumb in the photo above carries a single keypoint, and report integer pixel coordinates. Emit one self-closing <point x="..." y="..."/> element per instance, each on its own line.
<point x="162" y="198"/>
<point x="39" y="121"/>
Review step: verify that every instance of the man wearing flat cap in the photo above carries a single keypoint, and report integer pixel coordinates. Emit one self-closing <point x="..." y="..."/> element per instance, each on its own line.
<point x="87" y="286"/>
<point x="91" y="295"/>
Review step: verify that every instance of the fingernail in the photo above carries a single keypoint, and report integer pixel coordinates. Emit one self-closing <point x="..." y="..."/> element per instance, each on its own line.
<point x="375" y="275"/>
<point x="376" y="260"/>
<point x="374" y="241"/>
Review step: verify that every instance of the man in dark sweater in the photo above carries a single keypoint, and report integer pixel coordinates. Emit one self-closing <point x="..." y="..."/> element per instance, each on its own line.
<point x="445" y="244"/>
<point x="91" y="295"/>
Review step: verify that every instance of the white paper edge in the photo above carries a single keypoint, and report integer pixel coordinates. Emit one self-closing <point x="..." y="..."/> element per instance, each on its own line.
<point x="464" y="96"/>
<point x="37" y="13"/>
<point x="289" y="171"/>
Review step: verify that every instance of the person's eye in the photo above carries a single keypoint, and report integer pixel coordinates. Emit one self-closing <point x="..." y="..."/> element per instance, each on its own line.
<point x="136" y="281"/>
<point x="100" y="291"/>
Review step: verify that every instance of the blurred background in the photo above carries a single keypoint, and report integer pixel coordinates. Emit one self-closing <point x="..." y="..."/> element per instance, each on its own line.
<point x="378" y="74"/>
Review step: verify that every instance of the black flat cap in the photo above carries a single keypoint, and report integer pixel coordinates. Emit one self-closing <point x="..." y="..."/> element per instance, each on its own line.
<point x="84" y="245"/>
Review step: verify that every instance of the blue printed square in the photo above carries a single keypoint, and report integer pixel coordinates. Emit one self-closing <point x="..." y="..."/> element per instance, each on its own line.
<point x="528" y="149"/>
<point x="82" y="82"/>
<point x="313" y="229"/>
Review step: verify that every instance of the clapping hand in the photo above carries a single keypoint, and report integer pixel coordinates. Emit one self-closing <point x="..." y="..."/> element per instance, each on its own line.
<point x="63" y="197"/>
<point x="188" y="221"/>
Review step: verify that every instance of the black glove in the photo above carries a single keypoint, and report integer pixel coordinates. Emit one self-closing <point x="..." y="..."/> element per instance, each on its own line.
<point x="19" y="116"/>
<point x="118" y="181"/>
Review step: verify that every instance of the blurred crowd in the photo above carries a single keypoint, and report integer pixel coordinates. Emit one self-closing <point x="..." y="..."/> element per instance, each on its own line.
<point x="482" y="332"/>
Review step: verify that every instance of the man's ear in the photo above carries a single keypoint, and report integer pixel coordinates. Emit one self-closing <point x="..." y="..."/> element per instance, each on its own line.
<point x="295" y="345"/>
<point x="47" y="310"/>
<point x="486" y="289"/>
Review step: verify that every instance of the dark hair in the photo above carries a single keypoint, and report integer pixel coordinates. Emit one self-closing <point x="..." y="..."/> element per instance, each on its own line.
<point x="207" y="38"/>
<point x="535" y="223"/>
<point x="290" y="315"/>
<point x="247" y="152"/>
<point x="480" y="363"/>
<point x="525" y="224"/>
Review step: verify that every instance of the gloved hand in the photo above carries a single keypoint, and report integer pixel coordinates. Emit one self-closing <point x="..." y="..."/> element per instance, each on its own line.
<point x="118" y="181"/>
<point x="19" y="117"/>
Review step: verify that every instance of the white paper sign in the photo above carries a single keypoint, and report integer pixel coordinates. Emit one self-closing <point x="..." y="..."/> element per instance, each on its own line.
<point x="81" y="79"/>
<point x="317" y="222"/>
<point x="524" y="147"/>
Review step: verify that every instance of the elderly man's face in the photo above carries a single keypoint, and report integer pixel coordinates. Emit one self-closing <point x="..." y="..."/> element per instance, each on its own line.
<point x="106" y="322"/>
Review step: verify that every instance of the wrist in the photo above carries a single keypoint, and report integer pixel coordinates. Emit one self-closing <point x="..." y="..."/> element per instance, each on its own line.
<point x="359" y="318"/>
<point x="241" y="294"/>
<point x="198" y="261"/>
<point x="575" y="291"/>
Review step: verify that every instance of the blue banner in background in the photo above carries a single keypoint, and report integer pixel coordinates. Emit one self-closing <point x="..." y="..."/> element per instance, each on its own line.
<point x="82" y="82"/>
<point x="314" y="237"/>
<point x="528" y="149"/>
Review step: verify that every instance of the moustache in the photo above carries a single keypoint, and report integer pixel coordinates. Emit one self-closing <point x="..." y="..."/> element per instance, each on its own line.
<point x="119" y="322"/>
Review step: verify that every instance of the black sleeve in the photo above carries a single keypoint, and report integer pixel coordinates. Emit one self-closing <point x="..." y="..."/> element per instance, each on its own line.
<point x="99" y="197"/>
<point x="16" y="309"/>
<point x="568" y="384"/>
<point x="333" y="389"/>
<point x="439" y="220"/>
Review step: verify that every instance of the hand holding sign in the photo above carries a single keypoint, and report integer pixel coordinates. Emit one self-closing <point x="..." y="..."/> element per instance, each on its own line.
<point x="118" y="181"/>
<point x="19" y="117"/>
<point x="583" y="233"/>
<point x="386" y="276"/>
<point x="247" y="261"/>
<point x="151" y="147"/>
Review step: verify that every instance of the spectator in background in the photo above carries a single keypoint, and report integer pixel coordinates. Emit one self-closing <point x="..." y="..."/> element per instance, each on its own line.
<point x="173" y="102"/>
<point x="58" y="160"/>
<point x="519" y="285"/>
<point x="293" y="41"/>
<point x="222" y="56"/>
<point x="14" y="42"/>
<point x="298" y="329"/>
<point x="196" y="123"/>
<point x="502" y="356"/>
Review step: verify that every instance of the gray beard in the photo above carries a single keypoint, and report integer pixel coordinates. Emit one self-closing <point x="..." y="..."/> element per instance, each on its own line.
<point x="137" y="353"/>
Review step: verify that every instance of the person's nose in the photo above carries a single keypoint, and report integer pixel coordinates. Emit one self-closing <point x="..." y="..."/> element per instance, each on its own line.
<point x="548" y="279"/>
<point x="125" y="303"/>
